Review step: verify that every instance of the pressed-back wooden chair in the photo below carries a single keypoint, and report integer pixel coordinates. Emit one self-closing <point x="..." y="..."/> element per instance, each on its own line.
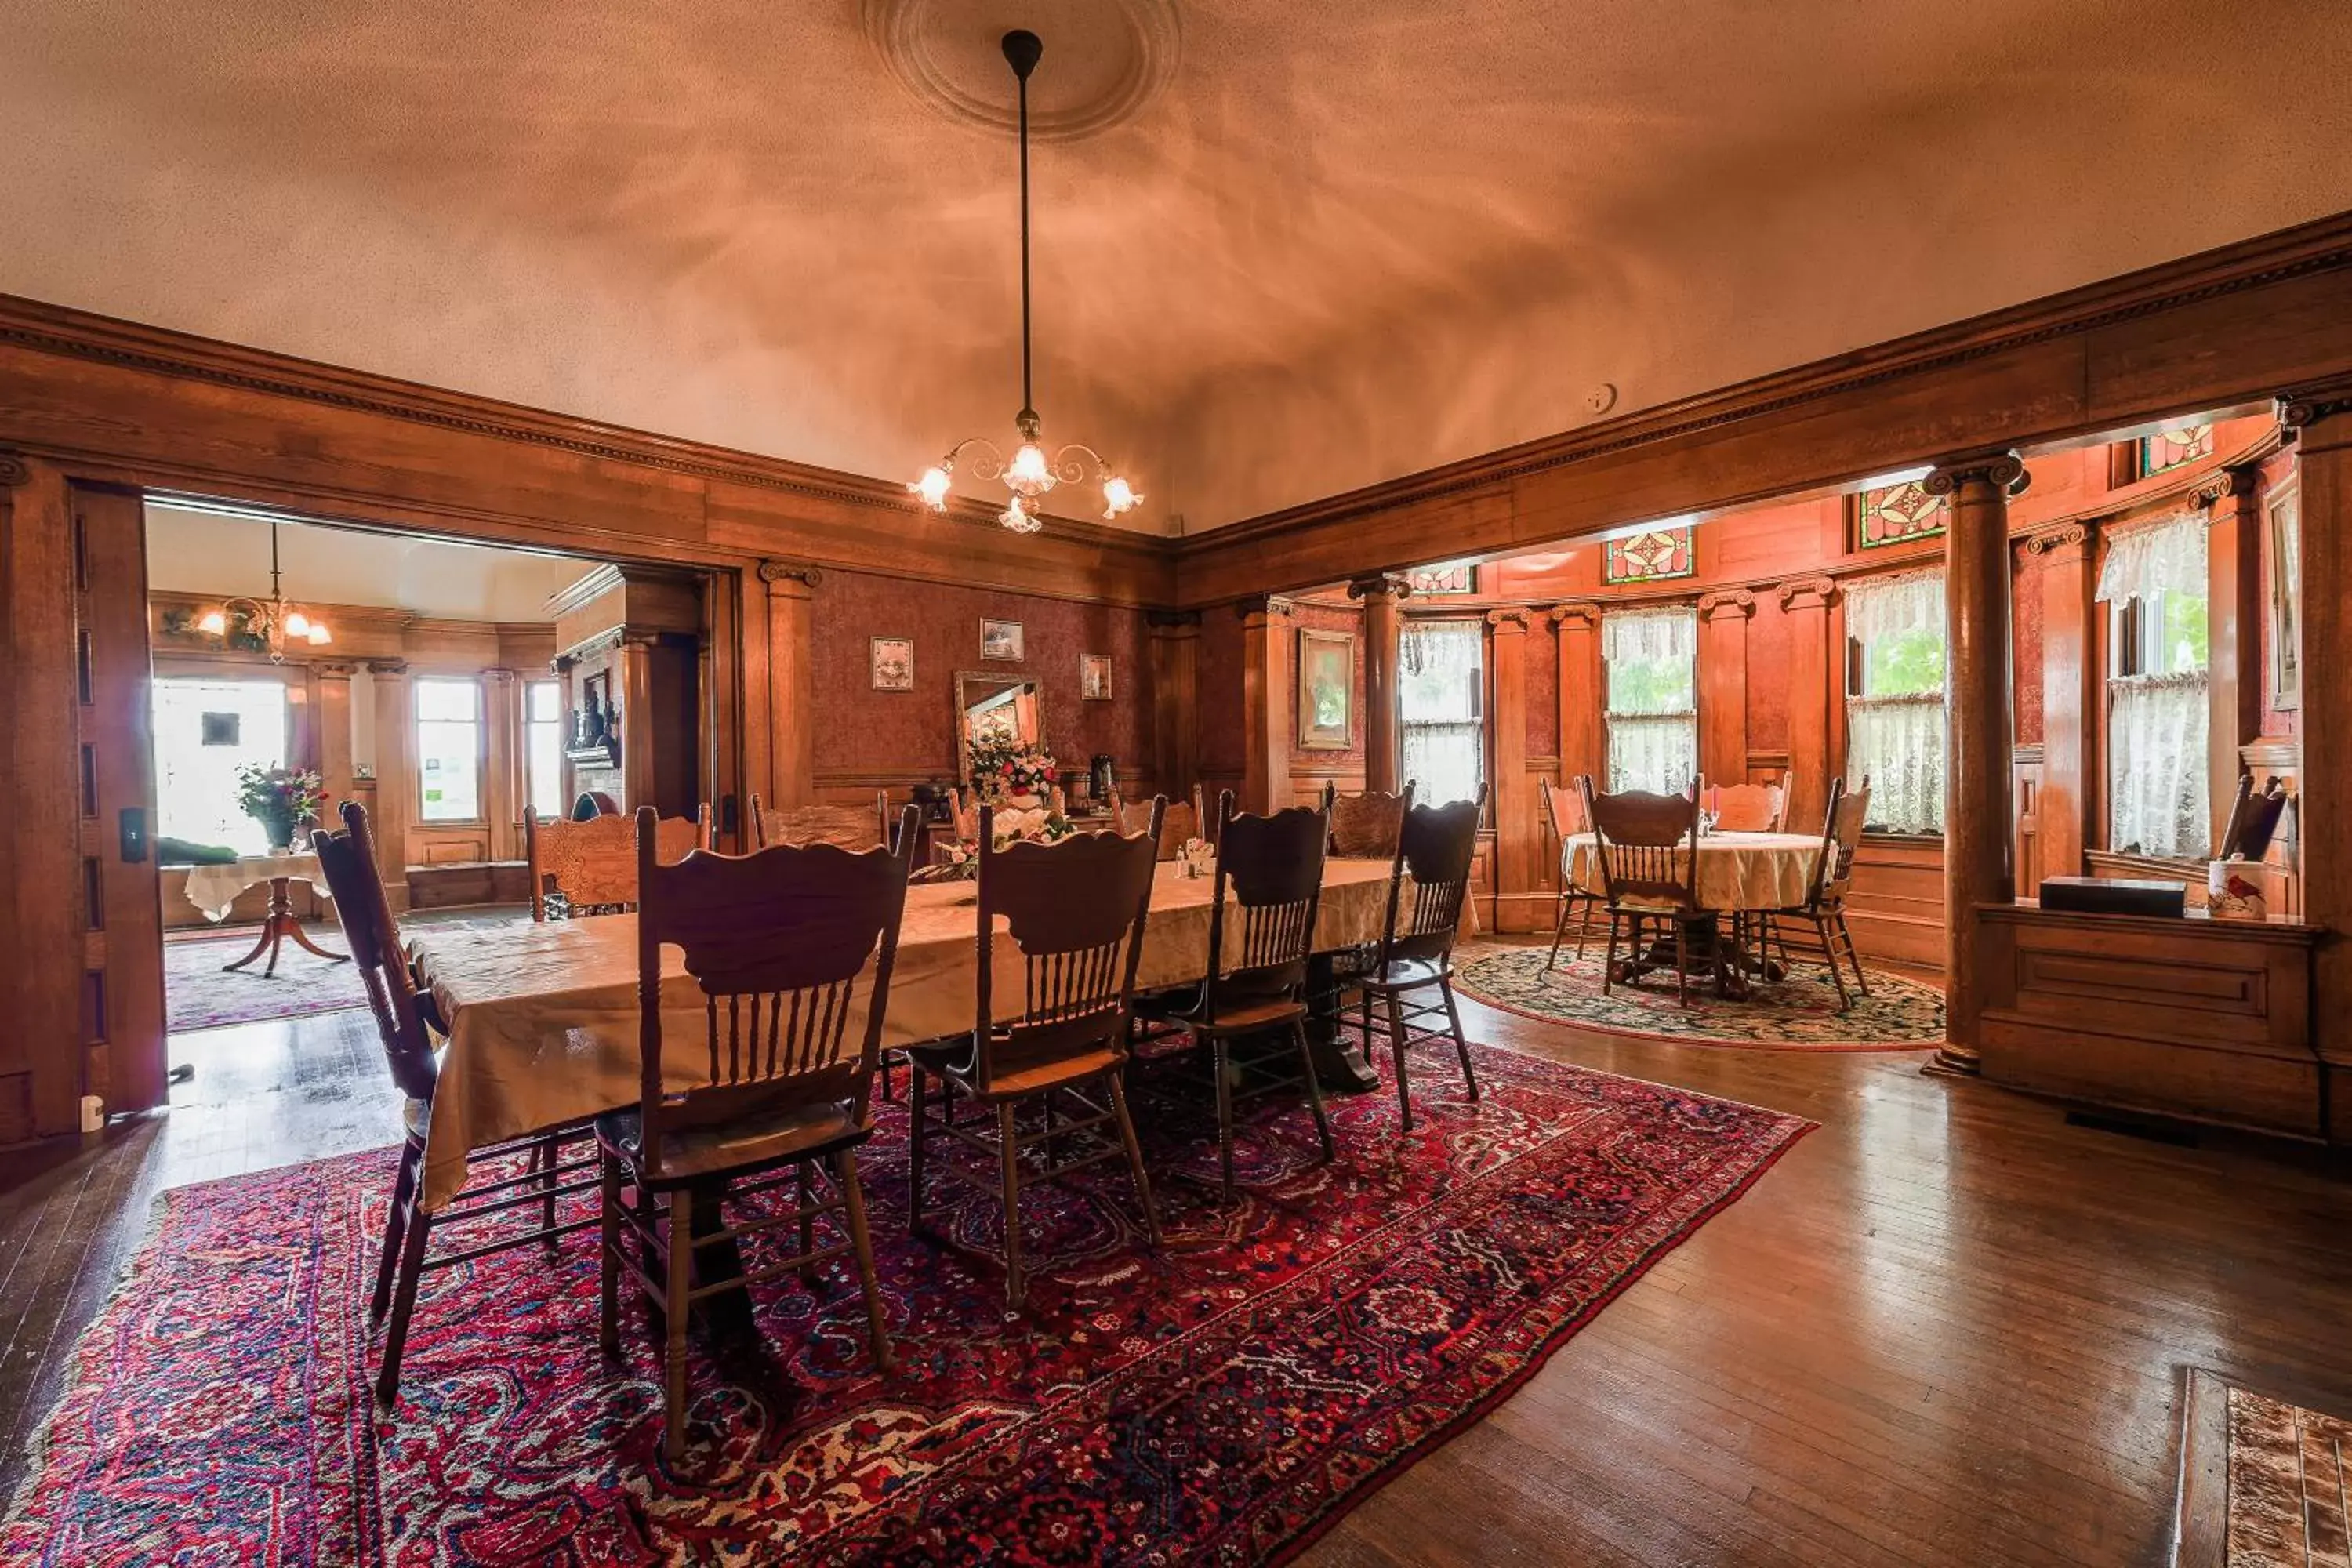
<point x="852" y="827"/>
<point x="1179" y="820"/>
<point x="588" y="865"/>
<point x="1648" y="848"/>
<point x="1273" y="869"/>
<point x="404" y="1020"/>
<point x="1364" y="826"/>
<point x="1435" y="845"/>
<point x="777" y="941"/>
<point x="1075" y="910"/>
<point x="1564" y="808"/>
<point x="1748" y="808"/>
<point x="1819" y="920"/>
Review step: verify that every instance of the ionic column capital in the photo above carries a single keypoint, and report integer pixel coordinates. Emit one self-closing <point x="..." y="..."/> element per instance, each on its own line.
<point x="1512" y="618"/>
<point x="1727" y="602"/>
<point x="2001" y="469"/>
<point x="1816" y="593"/>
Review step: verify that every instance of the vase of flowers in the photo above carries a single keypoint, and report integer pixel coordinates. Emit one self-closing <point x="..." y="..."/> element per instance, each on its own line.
<point x="280" y="799"/>
<point x="958" y="860"/>
<point x="1005" y="769"/>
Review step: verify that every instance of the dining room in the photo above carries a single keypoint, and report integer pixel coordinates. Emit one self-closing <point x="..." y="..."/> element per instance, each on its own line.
<point x="1139" y="783"/>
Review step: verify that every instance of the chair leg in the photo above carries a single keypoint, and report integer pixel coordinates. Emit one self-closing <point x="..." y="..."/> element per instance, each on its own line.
<point x="1314" y="1087"/>
<point x="801" y="1189"/>
<point x="677" y="1278"/>
<point x="550" y="1153"/>
<point x="1560" y="926"/>
<point x="1397" y="1049"/>
<point x="1008" y="1137"/>
<point x="1609" y="961"/>
<point x="395" y="1229"/>
<point x="861" y="1242"/>
<point x="608" y="1252"/>
<point x="1829" y="952"/>
<point x="1117" y="1078"/>
<point x="915" y="1096"/>
<point x="1682" y="963"/>
<point x="403" y="1302"/>
<point x="1461" y="1040"/>
<point x="1584" y="923"/>
<point x="1225" y="1115"/>
<point x="1852" y="952"/>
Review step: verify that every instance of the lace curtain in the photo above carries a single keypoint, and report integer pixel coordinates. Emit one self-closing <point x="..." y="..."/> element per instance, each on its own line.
<point x="2157" y="789"/>
<point x="1442" y="738"/>
<point x="1652" y="660"/>
<point x="1897" y="740"/>
<point x="2167" y="557"/>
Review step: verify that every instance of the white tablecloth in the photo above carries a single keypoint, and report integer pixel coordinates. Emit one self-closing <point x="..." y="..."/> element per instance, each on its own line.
<point x="213" y="888"/>
<point x="543" y="1017"/>
<point x="1735" y="870"/>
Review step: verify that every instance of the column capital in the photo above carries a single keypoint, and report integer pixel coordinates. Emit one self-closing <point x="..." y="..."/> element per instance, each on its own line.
<point x="334" y="668"/>
<point x="1512" y="618"/>
<point x="1381" y="582"/>
<point x="1727" y="601"/>
<point x="14" y="470"/>
<point x="2001" y="469"/>
<point x="790" y="578"/>
<point x="1171" y="620"/>
<point x="387" y="667"/>
<point x="2065" y="536"/>
<point x="1815" y="593"/>
<point x="1268" y="604"/>
<point x="2308" y="406"/>
<point x="1583" y="618"/>
<point x="2242" y="481"/>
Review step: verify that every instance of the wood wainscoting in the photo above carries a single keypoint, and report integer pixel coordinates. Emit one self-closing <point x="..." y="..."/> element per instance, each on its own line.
<point x="1896" y="907"/>
<point x="2205" y="1019"/>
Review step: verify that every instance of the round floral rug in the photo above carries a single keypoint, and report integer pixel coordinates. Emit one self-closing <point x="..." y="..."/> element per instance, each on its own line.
<point x="1800" y="1013"/>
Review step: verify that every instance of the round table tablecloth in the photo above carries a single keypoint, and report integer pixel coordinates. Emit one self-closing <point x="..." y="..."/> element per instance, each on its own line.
<point x="213" y="888"/>
<point x="1735" y="870"/>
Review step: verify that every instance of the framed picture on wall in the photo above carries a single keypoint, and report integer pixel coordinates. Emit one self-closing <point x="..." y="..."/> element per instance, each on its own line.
<point x="1327" y="686"/>
<point x="1094" y="676"/>
<point x="999" y="640"/>
<point x="2286" y="598"/>
<point x="893" y="663"/>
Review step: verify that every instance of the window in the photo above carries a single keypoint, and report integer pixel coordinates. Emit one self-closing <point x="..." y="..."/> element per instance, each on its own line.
<point x="1442" y="677"/>
<point x="1455" y="577"/>
<point x="1895" y="699"/>
<point x="2154" y="585"/>
<point x="449" y="749"/>
<point x="206" y="730"/>
<point x="1653" y="714"/>
<point x="1651" y="555"/>
<point x="542" y="746"/>
<point x="1898" y="513"/>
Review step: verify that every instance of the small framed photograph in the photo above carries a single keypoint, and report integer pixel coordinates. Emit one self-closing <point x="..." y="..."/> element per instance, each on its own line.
<point x="1326" y="690"/>
<point x="893" y="661"/>
<point x="1094" y="676"/>
<point x="1001" y="639"/>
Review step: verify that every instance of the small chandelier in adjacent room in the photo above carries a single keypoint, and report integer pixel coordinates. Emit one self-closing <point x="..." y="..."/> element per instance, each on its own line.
<point x="1029" y="473"/>
<point x="278" y="624"/>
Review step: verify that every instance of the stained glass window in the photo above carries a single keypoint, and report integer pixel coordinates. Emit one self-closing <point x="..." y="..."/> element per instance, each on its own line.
<point x="2171" y="448"/>
<point x="1651" y="555"/>
<point x="1895" y="514"/>
<point x="1458" y="577"/>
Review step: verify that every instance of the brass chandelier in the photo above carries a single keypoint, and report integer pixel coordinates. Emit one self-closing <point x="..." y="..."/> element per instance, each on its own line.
<point x="278" y="624"/>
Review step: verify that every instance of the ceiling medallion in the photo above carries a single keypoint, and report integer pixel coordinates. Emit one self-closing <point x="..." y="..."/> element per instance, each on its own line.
<point x="932" y="48"/>
<point x="1029" y="474"/>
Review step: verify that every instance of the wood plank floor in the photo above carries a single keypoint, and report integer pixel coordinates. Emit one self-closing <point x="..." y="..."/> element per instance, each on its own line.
<point x="1948" y="1328"/>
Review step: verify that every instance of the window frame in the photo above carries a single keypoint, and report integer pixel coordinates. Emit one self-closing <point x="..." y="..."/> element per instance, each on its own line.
<point x="480" y="722"/>
<point x="524" y="722"/>
<point x="1480" y="709"/>
<point x="1855" y="690"/>
<point x="1610" y="717"/>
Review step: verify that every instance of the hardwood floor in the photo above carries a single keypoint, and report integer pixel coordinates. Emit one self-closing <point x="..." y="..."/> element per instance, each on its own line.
<point x="1947" y="1328"/>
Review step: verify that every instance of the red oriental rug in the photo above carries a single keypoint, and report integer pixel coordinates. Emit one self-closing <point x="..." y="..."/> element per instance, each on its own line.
<point x="1223" y="1400"/>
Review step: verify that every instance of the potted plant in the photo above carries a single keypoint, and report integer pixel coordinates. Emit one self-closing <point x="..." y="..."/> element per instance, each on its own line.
<point x="280" y="799"/>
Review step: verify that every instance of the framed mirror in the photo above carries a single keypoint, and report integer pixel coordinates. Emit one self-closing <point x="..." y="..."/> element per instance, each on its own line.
<point x="996" y="707"/>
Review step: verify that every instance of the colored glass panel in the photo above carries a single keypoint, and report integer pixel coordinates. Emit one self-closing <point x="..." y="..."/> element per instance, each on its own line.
<point x="1896" y="514"/>
<point x="1461" y="577"/>
<point x="1644" y="557"/>
<point x="2171" y="448"/>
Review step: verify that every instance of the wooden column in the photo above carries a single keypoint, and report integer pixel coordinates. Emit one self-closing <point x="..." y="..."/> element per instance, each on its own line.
<point x="502" y="762"/>
<point x="395" y="772"/>
<point x="2066" y="820"/>
<point x="2322" y="420"/>
<point x="792" y="680"/>
<point x="633" y="689"/>
<point x="1175" y="701"/>
<point x="1816" y="688"/>
<point x="1267" y="702"/>
<point x="2233" y="674"/>
<point x="1384" y="757"/>
<point x="332" y="711"/>
<point x="1516" y="894"/>
<point x="1723" y="684"/>
<point x="1582" y="695"/>
<point x="1978" y="808"/>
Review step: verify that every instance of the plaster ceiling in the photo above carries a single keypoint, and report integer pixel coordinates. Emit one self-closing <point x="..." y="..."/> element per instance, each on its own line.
<point x="1288" y="248"/>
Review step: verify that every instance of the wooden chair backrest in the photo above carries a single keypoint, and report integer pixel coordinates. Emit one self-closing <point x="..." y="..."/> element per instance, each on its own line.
<point x="1564" y="808"/>
<point x="1075" y="909"/>
<point x="1436" y="844"/>
<point x="1639" y="837"/>
<point x="777" y="940"/>
<point x="1749" y="808"/>
<point x="964" y="809"/>
<point x="842" y="826"/>
<point x="588" y="865"/>
<point x="347" y="859"/>
<point x="2253" y="818"/>
<point x="595" y="802"/>
<point x="1178" y="821"/>
<point x="1273" y="866"/>
<point x="1841" y="839"/>
<point x="1365" y="827"/>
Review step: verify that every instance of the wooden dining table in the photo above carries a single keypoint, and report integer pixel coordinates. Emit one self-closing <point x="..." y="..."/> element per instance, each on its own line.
<point x="543" y="1016"/>
<point x="1738" y="873"/>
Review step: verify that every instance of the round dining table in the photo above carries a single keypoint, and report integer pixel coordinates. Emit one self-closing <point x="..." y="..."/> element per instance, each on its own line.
<point x="1738" y="873"/>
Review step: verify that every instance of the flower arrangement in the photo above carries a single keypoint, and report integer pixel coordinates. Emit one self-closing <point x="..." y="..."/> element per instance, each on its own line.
<point x="278" y="798"/>
<point x="1001" y="766"/>
<point x="958" y="860"/>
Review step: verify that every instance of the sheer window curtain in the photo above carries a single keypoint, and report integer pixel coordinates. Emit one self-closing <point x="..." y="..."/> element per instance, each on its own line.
<point x="1440" y="730"/>
<point x="1653" y="713"/>
<point x="1896" y="739"/>
<point x="2157" y="794"/>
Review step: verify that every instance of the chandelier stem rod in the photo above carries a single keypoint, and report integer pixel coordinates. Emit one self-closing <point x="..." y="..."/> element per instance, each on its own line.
<point x="1028" y="400"/>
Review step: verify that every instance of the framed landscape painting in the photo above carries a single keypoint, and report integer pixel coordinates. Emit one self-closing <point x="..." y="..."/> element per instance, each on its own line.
<point x="1094" y="676"/>
<point x="893" y="661"/>
<point x="1327" y="687"/>
<point x="1001" y="639"/>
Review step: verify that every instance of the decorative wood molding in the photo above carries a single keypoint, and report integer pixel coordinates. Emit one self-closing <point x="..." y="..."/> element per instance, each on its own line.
<point x="1511" y="618"/>
<point x="2001" y="468"/>
<point x="2273" y="754"/>
<point x="2300" y="409"/>
<point x="14" y="470"/>
<point x="387" y="667"/>
<point x="1388" y="582"/>
<point x="1584" y="616"/>
<point x="2058" y="538"/>
<point x="2026" y="756"/>
<point x="778" y="572"/>
<point x="1739" y="602"/>
<point x="1264" y="605"/>
<point x="1820" y="588"/>
<point x="1171" y="620"/>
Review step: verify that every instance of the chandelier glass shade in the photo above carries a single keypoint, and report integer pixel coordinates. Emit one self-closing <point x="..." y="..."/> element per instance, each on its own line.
<point x="278" y="624"/>
<point x="1029" y="473"/>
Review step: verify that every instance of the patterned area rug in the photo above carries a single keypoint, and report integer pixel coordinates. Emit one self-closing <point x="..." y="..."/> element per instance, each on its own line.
<point x="2289" y="1473"/>
<point x="199" y="995"/>
<point x="1223" y="1400"/>
<point x="1800" y="1013"/>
